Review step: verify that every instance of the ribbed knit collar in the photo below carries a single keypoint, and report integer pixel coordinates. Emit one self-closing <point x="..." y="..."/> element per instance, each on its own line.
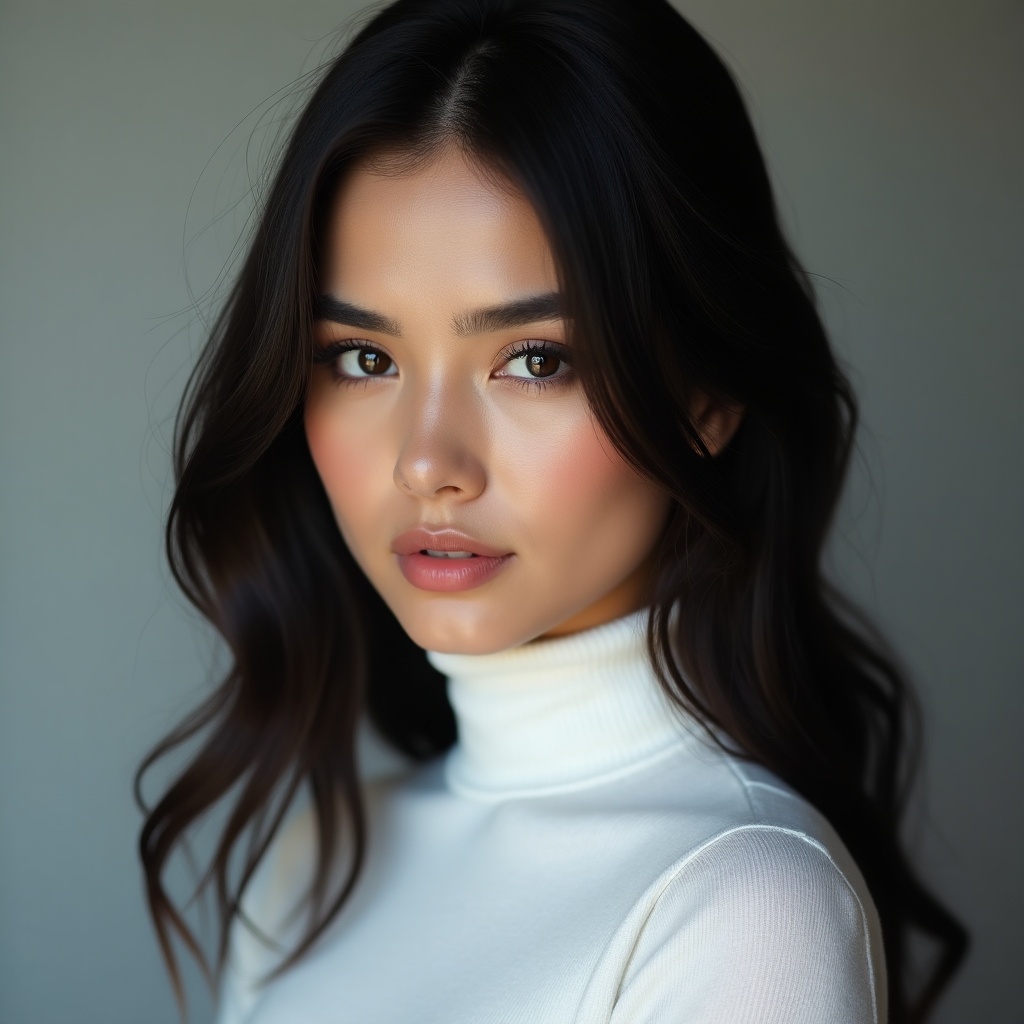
<point x="557" y="714"/>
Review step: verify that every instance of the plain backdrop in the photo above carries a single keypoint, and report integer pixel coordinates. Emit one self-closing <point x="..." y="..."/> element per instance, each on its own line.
<point x="130" y="135"/>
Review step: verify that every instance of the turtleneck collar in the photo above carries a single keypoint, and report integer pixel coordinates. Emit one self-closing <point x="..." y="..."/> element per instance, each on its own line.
<point x="557" y="714"/>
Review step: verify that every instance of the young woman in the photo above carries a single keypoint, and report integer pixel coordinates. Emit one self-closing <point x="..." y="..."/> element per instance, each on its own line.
<point x="520" y="433"/>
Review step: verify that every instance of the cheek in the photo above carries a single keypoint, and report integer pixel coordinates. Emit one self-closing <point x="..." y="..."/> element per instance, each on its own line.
<point x="582" y="498"/>
<point x="346" y="463"/>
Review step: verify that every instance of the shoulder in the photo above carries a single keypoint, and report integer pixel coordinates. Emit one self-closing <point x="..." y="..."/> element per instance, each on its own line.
<point x="274" y="905"/>
<point x="758" y="923"/>
<point x="286" y="871"/>
<point x="258" y="936"/>
<point x="764" y="876"/>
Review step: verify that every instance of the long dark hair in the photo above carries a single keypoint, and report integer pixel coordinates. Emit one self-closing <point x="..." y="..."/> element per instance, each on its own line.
<point x="630" y="137"/>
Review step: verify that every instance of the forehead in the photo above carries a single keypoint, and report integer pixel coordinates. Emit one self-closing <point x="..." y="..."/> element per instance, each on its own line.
<point x="446" y="222"/>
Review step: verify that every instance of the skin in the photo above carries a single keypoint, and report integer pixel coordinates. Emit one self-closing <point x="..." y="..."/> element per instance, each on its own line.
<point x="451" y="432"/>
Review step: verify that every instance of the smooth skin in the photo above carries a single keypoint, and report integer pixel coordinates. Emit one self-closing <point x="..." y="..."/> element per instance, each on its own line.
<point x="435" y="422"/>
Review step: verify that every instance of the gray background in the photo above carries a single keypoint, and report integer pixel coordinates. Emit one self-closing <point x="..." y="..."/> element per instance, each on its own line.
<point x="894" y="133"/>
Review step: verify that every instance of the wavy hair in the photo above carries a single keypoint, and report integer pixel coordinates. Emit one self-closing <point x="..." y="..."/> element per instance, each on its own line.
<point x="630" y="138"/>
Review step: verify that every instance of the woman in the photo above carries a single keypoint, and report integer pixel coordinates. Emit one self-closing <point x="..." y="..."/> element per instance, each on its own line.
<point x="520" y="431"/>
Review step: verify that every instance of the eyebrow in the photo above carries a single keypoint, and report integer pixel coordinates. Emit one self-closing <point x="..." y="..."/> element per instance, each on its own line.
<point x="517" y="313"/>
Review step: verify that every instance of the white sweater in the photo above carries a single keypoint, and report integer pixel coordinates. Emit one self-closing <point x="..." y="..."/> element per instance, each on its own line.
<point x="581" y="856"/>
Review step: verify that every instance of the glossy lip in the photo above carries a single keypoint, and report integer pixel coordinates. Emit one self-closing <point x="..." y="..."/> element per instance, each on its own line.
<point x="446" y="539"/>
<point x="446" y="575"/>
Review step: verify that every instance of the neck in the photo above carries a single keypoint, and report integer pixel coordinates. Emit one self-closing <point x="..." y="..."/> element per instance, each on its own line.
<point x="559" y="713"/>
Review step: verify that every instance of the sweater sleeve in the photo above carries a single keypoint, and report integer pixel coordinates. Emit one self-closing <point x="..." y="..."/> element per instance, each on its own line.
<point x="249" y="957"/>
<point x="269" y="903"/>
<point x="237" y="991"/>
<point x="759" y="926"/>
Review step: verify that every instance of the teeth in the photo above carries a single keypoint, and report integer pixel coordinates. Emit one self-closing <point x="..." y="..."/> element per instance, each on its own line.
<point x="449" y="554"/>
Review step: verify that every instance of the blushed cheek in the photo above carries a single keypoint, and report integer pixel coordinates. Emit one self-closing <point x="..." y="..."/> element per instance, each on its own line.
<point x="589" y="471"/>
<point x="619" y="514"/>
<point x="578" y="493"/>
<point x="346" y="467"/>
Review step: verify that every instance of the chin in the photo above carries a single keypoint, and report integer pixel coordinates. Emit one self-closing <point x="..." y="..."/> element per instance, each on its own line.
<point x="454" y="630"/>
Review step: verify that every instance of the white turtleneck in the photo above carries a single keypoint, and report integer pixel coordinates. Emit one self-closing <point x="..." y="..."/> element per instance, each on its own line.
<point x="582" y="855"/>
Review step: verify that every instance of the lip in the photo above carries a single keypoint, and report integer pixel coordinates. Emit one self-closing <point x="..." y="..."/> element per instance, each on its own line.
<point x="447" y="539"/>
<point x="447" y="574"/>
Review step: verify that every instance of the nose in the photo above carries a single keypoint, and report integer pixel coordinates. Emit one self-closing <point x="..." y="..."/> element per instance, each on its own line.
<point x="441" y="453"/>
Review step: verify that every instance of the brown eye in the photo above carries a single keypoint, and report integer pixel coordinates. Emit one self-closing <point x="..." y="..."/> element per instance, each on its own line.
<point x="350" y="362"/>
<point x="544" y="363"/>
<point x="541" y="365"/>
<point x="373" y="363"/>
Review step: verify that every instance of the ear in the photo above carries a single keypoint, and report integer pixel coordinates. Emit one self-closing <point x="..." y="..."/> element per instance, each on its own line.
<point x="717" y="421"/>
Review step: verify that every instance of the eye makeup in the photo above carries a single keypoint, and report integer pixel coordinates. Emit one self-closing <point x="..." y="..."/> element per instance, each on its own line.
<point x="331" y="354"/>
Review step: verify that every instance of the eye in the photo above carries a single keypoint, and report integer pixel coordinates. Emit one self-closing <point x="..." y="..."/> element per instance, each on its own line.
<point x="537" y="362"/>
<point x="354" y="361"/>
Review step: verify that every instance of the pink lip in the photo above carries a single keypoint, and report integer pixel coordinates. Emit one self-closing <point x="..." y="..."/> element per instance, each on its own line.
<point x="445" y="539"/>
<point x="447" y="574"/>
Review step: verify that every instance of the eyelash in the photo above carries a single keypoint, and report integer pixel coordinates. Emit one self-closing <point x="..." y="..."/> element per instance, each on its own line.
<point x="328" y="355"/>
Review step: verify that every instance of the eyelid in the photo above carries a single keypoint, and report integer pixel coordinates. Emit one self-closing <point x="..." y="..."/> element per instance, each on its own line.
<point x="326" y="352"/>
<point x="531" y="346"/>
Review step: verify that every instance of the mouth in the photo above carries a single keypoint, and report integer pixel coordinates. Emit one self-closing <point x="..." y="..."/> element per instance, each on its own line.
<point x="444" y="542"/>
<point x="446" y="559"/>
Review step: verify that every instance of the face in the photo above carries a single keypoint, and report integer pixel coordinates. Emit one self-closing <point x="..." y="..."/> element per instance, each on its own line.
<point x="443" y="399"/>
